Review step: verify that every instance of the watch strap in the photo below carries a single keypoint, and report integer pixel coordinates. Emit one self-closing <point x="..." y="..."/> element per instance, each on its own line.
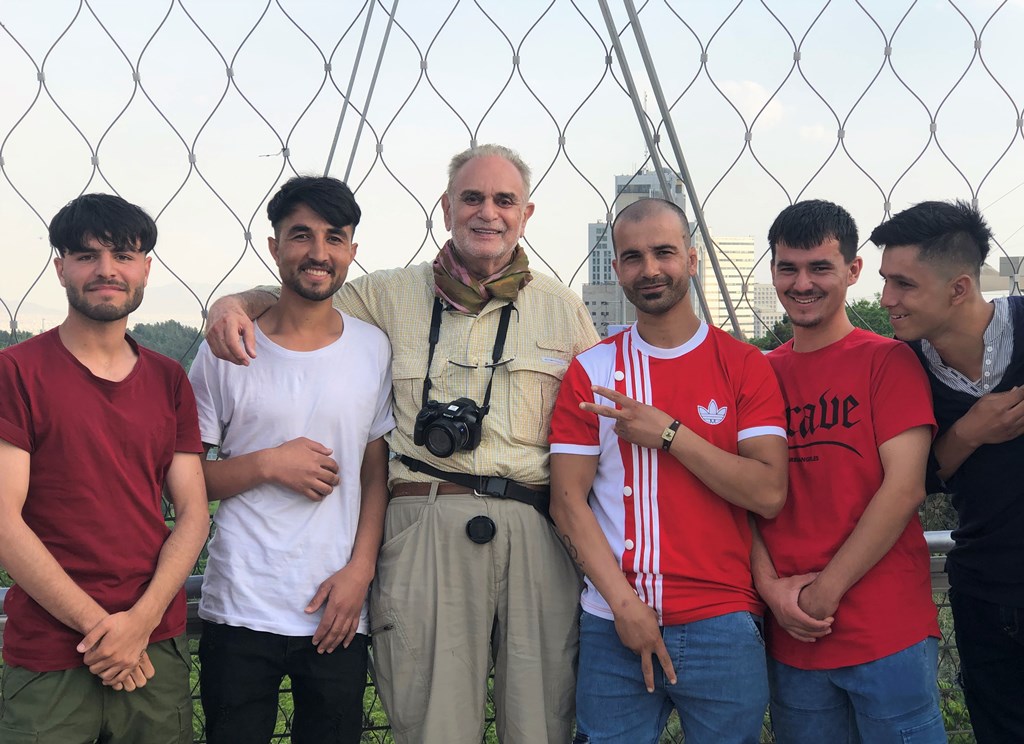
<point x="669" y="434"/>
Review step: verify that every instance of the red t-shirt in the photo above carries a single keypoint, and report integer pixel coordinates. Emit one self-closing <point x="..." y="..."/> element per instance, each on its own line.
<point x="842" y="402"/>
<point x="100" y="452"/>
<point x="684" y="549"/>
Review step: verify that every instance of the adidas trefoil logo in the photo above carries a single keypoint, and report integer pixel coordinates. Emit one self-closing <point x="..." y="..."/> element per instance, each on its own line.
<point x="712" y="414"/>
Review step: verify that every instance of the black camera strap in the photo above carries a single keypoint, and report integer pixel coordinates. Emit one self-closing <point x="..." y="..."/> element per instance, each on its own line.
<point x="499" y="349"/>
<point x="501" y="488"/>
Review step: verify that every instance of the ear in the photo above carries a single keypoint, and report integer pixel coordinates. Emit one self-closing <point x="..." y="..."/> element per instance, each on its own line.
<point x="446" y="206"/>
<point x="272" y="245"/>
<point x="527" y="213"/>
<point x="355" y="247"/>
<point x="691" y="260"/>
<point x="615" y="267"/>
<point x="960" y="288"/>
<point x="58" y="264"/>
<point x="855" y="267"/>
<point x="149" y="265"/>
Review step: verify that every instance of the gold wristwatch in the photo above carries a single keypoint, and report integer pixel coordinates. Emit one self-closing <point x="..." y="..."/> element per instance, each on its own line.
<point x="668" y="435"/>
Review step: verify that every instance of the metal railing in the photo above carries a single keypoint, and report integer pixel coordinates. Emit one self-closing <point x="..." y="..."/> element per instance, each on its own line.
<point x="375" y="722"/>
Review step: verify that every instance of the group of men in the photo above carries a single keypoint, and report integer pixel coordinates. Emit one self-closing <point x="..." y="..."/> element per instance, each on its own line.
<point x="714" y="499"/>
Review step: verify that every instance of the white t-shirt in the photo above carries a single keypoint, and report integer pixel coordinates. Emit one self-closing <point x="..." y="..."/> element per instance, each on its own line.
<point x="272" y="547"/>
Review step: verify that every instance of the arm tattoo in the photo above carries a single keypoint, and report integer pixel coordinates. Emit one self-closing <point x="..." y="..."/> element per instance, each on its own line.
<point x="572" y="551"/>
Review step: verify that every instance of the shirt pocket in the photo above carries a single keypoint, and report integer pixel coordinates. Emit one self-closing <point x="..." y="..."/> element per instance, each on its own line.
<point x="534" y="378"/>
<point x="407" y="381"/>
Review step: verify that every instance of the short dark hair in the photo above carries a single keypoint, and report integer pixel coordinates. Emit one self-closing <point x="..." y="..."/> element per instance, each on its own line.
<point x="953" y="233"/>
<point x="641" y="209"/>
<point x="330" y="198"/>
<point x="808" y="224"/>
<point x="107" y="218"/>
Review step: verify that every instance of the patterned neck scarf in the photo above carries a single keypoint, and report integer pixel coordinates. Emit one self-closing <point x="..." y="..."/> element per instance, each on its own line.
<point x="455" y="285"/>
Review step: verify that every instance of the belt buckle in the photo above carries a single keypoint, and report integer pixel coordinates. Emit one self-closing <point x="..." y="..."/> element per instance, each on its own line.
<point x="492" y="486"/>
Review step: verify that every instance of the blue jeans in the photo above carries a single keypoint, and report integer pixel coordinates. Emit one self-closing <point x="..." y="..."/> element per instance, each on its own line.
<point x="892" y="700"/>
<point x="721" y="692"/>
<point x="990" y="639"/>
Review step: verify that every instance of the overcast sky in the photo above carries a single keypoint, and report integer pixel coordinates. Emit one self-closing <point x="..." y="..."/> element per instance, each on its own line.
<point x="423" y="112"/>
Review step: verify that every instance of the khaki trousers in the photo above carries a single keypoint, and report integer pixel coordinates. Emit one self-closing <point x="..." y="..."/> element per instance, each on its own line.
<point x="443" y="609"/>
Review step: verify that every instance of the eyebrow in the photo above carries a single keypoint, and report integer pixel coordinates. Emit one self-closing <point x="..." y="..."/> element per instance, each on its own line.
<point x="306" y="228"/>
<point x="106" y="247"/>
<point x="474" y="193"/>
<point x="897" y="277"/>
<point x="824" y="263"/>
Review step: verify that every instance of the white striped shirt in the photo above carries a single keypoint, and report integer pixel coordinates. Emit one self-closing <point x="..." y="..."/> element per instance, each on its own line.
<point x="998" y="348"/>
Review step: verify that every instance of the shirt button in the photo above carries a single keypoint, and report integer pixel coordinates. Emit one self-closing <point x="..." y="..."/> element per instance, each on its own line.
<point x="988" y="374"/>
<point x="988" y="348"/>
<point x="629" y="544"/>
<point x="627" y="491"/>
<point x="619" y="375"/>
<point x="988" y="361"/>
<point x="987" y="387"/>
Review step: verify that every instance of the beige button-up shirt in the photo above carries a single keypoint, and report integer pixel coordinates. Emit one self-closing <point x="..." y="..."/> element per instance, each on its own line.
<point x="548" y="327"/>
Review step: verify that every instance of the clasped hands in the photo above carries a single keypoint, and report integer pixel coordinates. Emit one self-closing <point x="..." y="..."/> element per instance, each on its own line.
<point x="115" y="651"/>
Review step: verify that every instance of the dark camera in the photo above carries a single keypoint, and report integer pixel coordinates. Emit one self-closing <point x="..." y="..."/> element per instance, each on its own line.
<point x="446" y="428"/>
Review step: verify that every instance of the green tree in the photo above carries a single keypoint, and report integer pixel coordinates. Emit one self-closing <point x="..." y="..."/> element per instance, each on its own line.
<point x="871" y="316"/>
<point x="8" y="338"/>
<point x="779" y="334"/>
<point x="170" y="338"/>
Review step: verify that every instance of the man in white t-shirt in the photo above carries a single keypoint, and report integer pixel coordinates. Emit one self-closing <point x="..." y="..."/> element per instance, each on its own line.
<point x="302" y="480"/>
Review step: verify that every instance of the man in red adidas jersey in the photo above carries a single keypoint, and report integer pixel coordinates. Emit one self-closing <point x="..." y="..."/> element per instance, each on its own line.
<point x="852" y="629"/>
<point x="673" y="432"/>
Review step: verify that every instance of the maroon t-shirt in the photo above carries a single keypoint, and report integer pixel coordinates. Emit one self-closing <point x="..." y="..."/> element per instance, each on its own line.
<point x="100" y="453"/>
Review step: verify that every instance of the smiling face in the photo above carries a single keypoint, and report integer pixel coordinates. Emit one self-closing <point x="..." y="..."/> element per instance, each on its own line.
<point x="811" y="283"/>
<point x="103" y="282"/>
<point x="653" y="261"/>
<point x="312" y="255"/>
<point x="486" y="211"/>
<point x="919" y="299"/>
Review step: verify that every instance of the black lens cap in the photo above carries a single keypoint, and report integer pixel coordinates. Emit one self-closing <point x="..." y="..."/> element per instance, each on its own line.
<point x="481" y="529"/>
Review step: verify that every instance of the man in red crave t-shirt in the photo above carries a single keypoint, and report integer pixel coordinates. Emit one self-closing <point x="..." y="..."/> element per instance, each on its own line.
<point x="93" y="429"/>
<point x="844" y="568"/>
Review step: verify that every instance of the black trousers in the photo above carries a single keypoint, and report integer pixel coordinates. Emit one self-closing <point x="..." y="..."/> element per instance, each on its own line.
<point x="990" y="639"/>
<point x="241" y="672"/>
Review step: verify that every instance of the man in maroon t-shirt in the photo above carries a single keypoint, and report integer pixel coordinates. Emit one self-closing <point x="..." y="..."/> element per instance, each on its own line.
<point x="852" y="634"/>
<point x="93" y="429"/>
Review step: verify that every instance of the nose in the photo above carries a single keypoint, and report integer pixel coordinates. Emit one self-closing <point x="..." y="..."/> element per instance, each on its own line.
<point x="318" y="248"/>
<point x="488" y="209"/>
<point x="105" y="264"/>
<point x="651" y="267"/>
<point x="802" y="281"/>
<point x="886" y="299"/>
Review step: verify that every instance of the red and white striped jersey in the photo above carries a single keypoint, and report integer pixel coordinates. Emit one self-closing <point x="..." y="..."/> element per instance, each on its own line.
<point x="684" y="549"/>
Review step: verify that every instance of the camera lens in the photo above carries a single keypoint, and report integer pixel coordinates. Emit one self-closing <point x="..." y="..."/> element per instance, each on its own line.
<point x="445" y="437"/>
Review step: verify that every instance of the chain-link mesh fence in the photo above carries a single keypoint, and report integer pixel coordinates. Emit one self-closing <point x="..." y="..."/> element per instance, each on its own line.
<point x="199" y="110"/>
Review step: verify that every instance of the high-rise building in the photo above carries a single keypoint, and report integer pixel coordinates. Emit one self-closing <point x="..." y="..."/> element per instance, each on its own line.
<point x="608" y="306"/>
<point x="736" y="258"/>
<point x="599" y="264"/>
<point x="764" y="303"/>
